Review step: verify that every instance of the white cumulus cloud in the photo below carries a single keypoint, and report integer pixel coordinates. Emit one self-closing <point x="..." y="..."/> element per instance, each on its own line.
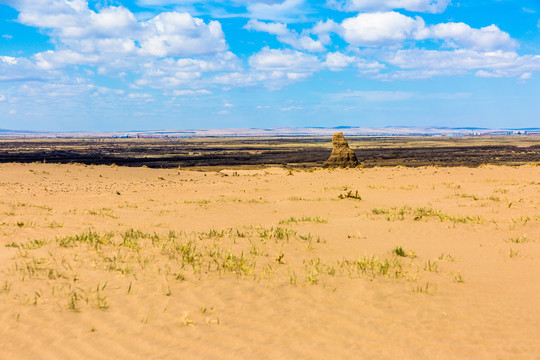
<point x="185" y="54"/>
<point x="287" y="36"/>
<point x="20" y="69"/>
<point x="288" y="61"/>
<point x="381" y="28"/>
<point x="462" y="35"/>
<point x="191" y="92"/>
<point x="180" y="34"/>
<point x="387" y="28"/>
<point x="184" y="72"/>
<point x="110" y="34"/>
<point x="428" y="6"/>
<point x="337" y="61"/>
<point x="140" y="96"/>
<point x="421" y="63"/>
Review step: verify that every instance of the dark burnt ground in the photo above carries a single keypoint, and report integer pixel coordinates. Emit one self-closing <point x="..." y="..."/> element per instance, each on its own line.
<point x="227" y="152"/>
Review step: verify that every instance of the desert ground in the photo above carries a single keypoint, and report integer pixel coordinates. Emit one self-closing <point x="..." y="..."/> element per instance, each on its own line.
<point x="113" y="262"/>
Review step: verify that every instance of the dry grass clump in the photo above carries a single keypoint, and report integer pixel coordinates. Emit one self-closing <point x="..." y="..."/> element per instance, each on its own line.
<point x="79" y="271"/>
<point x="520" y="240"/>
<point x="295" y="220"/>
<point x="350" y="195"/>
<point x="424" y="213"/>
<point x="395" y="267"/>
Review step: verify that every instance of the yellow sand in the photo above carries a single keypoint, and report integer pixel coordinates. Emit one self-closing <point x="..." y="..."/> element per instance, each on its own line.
<point x="100" y="262"/>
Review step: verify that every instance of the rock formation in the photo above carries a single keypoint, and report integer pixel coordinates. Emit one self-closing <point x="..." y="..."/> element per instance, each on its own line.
<point x="342" y="155"/>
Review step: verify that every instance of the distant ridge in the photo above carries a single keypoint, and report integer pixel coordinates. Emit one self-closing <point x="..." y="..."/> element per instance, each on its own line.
<point x="278" y="131"/>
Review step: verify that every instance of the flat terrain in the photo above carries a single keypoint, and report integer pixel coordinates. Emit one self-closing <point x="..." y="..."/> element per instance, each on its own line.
<point x="289" y="151"/>
<point x="111" y="262"/>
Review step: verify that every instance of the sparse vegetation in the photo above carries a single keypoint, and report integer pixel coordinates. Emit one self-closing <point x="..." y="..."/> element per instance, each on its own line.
<point x="458" y="278"/>
<point x="428" y="212"/>
<point x="398" y="250"/>
<point x="513" y="253"/>
<point x="422" y="213"/>
<point x="159" y="256"/>
<point x="294" y="220"/>
<point x="446" y="257"/>
<point x="243" y="253"/>
<point x="350" y="195"/>
<point x="425" y="289"/>
<point x="105" y="212"/>
<point x="519" y="240"/>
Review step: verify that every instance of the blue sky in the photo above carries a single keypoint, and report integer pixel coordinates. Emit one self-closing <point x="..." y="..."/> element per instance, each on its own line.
<point x="179" y="64"/>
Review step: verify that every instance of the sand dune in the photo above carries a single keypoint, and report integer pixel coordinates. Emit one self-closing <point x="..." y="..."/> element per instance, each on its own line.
<point x="105" y="262"/>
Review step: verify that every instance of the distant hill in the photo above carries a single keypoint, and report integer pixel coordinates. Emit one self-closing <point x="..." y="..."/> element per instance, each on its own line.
<point x="278" y="131"/>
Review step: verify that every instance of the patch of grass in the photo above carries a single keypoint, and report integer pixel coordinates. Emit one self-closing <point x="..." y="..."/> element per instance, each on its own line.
<point x="447" y="257"/>
<point x="513" y="253"/>
<point x="54" y="225"/>
<point x="128" y="205"/>
<point x="431" y="266"/>
<point x="373" y="267"/>
<point x="425" y="289"/>
<point x="522" y="220"/>
<point x="131" y="237"/>
<point x="213" y="234"/>
<point x="34" y="244"/>
<point x="89" y="237"/>
<point x="187" y="320"/>
<point x="312" y="272"/>
<point x="73" y="301"/>
<point x="292" y="276"/>
<point x="6" y="287"/>
<point x="297" y="198"/>
<point x="394" y="213"/>
<point x="237" y="264"/>
<point x="398" y="250"/>
<point x="37" y="268"/>
<point x="100" y="299"/>
<point x="129" y="256"/>
<point x="519" y="240"/>
<point x="421" y="213"/>
<point x="105" y="212"/>
<point x="429" y="212"/>
<point x="409" y="187"/>
<point x="295" y="220"/>
<point x="260" y="200"/>
<point x="198" y="202"/>
<point x="468" y="196"/>
<point x="309" y="239"/>
<point x="350" y="195"/>
<point x="276" y="233"/>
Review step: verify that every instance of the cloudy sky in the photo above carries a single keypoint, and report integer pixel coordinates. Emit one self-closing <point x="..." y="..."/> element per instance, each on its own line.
<point x="177" y="64"/>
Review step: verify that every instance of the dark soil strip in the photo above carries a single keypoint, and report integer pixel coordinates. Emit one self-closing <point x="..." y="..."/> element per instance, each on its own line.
<point x="289" y="152"/>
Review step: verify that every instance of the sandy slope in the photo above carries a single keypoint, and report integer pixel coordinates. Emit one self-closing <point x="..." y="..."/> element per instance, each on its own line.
<point x="109" y="262"/>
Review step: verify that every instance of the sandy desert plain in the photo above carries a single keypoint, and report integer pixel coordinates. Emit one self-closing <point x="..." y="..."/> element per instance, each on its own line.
<point x="113" y="262"/>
